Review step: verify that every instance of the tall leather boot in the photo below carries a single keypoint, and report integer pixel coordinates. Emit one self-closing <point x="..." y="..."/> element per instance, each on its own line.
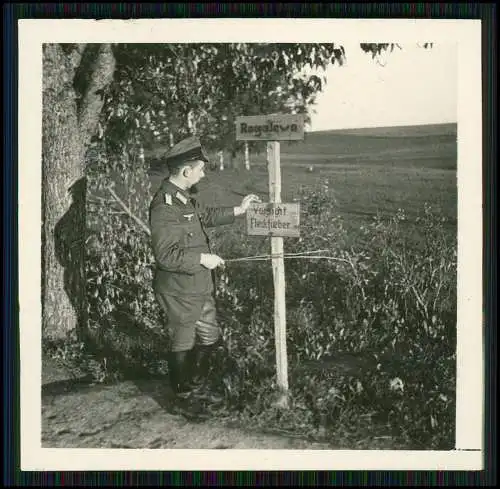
<point x="204" y="364"/>
<point x="192" y="359"/>
<point x="180" y="372"/>
<point x="204" y="357"/>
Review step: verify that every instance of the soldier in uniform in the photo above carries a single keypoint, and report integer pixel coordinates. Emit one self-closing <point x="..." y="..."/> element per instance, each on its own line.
<point x="184" y="275"/>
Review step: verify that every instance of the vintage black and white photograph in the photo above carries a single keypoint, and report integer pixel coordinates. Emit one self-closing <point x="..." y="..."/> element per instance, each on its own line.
<point x="252" y="244"/>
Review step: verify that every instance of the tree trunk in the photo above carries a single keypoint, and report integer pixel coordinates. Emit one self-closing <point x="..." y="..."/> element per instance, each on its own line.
<point x="221" y="160"/>
<point x="233" y="160"/>
<point x="247" y="156"/>
<point x="191" y="123"/>
<point x="67" y="130"/>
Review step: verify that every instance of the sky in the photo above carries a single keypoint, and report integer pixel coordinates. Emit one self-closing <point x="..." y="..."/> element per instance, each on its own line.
<point x="415" y="86"/>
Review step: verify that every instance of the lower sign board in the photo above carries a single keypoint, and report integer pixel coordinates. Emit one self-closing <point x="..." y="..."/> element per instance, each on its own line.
<point x="275" y="127"/>
<point x="274" y="220"/>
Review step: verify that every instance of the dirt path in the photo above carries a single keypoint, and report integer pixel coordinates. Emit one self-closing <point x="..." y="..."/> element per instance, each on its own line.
<point x="76" y="414"/>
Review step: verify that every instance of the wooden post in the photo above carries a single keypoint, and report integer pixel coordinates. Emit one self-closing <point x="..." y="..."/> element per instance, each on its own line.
<point x="275" y="128"/>
<point x="273" y="153"/>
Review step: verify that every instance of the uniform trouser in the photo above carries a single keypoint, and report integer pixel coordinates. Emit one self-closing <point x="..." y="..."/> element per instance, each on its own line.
<point x="190" y="321"/>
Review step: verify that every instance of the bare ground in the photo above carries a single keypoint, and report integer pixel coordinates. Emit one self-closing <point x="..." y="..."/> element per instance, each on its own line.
<point x="135" y="414"/>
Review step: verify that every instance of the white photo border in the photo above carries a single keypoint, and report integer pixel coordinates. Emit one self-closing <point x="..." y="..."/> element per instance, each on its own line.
<point x="468" y="453"/>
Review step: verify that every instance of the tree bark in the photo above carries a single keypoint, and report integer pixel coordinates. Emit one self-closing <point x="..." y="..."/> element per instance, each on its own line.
<point x="66" y="133"/>
<point x="233" y="161"/>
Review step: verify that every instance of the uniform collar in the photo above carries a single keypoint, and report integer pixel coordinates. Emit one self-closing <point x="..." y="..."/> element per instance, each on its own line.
<point x="175" y="191"/>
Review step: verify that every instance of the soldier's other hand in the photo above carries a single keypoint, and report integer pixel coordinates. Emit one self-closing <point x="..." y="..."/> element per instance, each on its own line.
<point x="245" y="203"/>
<point x="211" y="261"/>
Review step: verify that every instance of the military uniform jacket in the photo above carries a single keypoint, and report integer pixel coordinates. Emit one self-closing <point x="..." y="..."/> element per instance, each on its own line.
<point x="178" y="239"/>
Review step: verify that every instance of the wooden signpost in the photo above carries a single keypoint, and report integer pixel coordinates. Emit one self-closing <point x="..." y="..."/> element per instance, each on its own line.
<point x="275" y="219"/>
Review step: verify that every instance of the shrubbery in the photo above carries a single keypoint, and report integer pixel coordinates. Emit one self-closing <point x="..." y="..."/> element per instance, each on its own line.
<point x="386" y="305"/>
<point x="390" y="300"/>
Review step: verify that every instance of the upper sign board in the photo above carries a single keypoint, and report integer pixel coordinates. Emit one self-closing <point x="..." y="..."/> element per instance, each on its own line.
<point x="275" y="127"/>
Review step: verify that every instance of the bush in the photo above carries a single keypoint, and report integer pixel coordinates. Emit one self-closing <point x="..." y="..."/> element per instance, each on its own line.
<point x="385" y="304"/>
<point x="390" y="300"/>
<point x="124" y="318"/>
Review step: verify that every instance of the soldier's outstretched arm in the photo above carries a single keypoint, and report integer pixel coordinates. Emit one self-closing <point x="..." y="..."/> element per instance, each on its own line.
<point x="166" y="239"/>
<point x="218" y="216"/>
<point x="215" y="216"/>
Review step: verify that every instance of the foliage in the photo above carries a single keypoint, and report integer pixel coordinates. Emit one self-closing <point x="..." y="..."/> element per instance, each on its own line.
<point x="387" y="301"/>
<point x="179" y="89"/>
<point x="376" y="49"/>
<point x="123" y="314"/>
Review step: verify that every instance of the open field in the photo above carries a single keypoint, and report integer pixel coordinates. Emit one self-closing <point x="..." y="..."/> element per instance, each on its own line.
<point x="368" y="171"/>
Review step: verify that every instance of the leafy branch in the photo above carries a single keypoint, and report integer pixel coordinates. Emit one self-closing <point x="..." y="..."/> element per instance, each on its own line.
<point x="127" y="210"/>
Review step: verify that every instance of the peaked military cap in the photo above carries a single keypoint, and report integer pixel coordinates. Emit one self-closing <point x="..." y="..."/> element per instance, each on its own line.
<point x="188" y="149"/>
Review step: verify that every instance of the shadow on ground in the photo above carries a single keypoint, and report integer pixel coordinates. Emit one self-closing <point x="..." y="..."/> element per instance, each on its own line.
<point x="137" y="413"/>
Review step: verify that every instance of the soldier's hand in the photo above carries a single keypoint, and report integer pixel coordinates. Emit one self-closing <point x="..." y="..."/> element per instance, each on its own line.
<point x="245" y="203"/>
<point x="211" y="261"/>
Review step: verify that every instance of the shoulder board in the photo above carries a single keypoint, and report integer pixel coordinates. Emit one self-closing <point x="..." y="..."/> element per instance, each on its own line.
<point x="168" y="199"/>
<point x="181" y="197"/>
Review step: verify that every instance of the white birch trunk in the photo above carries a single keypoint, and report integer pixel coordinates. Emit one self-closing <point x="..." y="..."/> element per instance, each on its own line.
<point x="247" y="156"/>
<point x="221" y="160"/>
